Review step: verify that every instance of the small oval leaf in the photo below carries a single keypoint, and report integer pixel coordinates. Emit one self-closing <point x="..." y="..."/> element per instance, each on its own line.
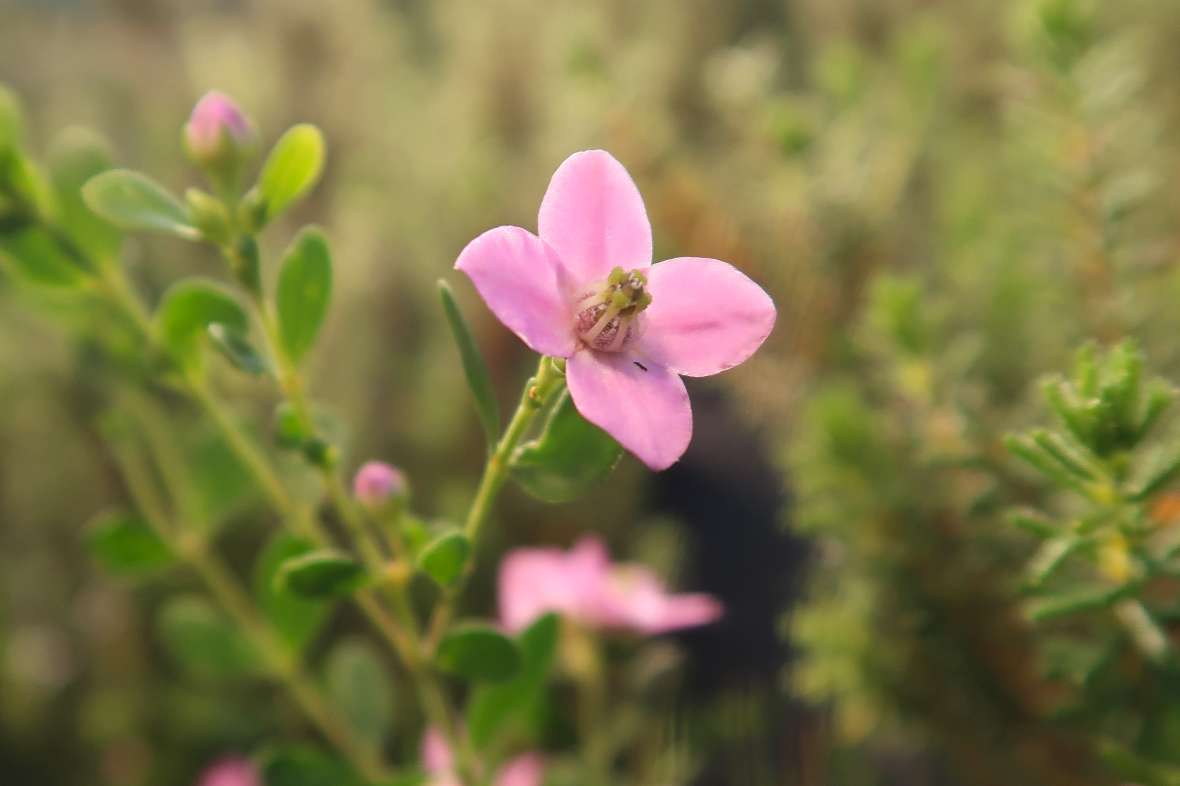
<point x="299" y="765"/>
<point x="493" y="708"/>
<point x="291" y="169"/>
<point x="568" y="459"/>
<point x="296" y="618"/>
<point x="445" y="558"/>
<point x="359" y="684"/>
<point x="78" y="155"/>
<point x="304" y="291"/>
<point x="133" y="201"/>
<point x="35" y="256"/>
<point x="322" y="574"/>
<point x="187" y="310"/>
<point x="478" y="652"/>
<point x="124" y="544"/>
<point x="202" y="639"/>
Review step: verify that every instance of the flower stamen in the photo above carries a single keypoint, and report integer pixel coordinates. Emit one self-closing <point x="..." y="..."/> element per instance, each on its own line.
<point x="606" y="316"/>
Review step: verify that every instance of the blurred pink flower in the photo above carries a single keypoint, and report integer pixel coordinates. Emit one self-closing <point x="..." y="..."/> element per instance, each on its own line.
<point x="586" y="290"/>
<point x="524" y="770"/>
<point x="583" y="585"/>
<point x="230" y="771"/>
<point x="216" y="127"/>
<point x="376" y="483"/>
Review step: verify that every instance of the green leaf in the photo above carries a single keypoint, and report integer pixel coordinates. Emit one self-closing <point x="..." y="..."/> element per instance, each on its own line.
<point x="187" y="310"/>
<point x="290" y="430"/>
<point x="478" y="379"/>
<point x="407" y="779"/>
<point x="1034" y="522"/>
<point x="322" y="574"/>
<point x="1052" y="555"/>
<point x="1132" y="766"/>
<point x="445" y="558"/>
<point x="133" y="201"/>
<point x="124" y="544"/>
<point x="220" y="481"/>
<point x="494" y="706"/>
<point x="1077" y="602"/>
<point x="1160" y="396"/>
<point x="299" y="765"/>
<point x="11" y="122"/>
<point x="78" y="155"/>
<point x="35" y="256"/>
<point x="291" y="169"/>
<point x="570" y="457"/>
<point x="203" y="641"/>
<point x="1070" y="458"/>
<point x="359" y="684"/>
<point x="235" y="346"/>
<point x="296" y="618"/>
<point x="478" y="652"/>
<point x="1035" y="456"/>
<point x="1164" y="469"/>
<point x="304" y="290"/>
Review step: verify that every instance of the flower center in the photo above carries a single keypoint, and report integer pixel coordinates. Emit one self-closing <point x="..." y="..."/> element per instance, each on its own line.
<point x="607" y="314"/>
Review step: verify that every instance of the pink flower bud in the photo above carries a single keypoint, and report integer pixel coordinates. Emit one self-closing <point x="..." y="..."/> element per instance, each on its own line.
<point x="218" y="134"/>
<point x="232" y="771"/>
<point x="377" y="483"/>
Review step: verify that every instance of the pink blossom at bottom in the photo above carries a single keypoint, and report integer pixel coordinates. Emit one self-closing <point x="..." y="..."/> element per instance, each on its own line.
<point x="230" y="771"/>
<point x="583" y="585"/>
<point x="524" y="770"/>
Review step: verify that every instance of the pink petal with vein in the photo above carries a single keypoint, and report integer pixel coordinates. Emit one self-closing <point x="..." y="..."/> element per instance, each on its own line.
<point x="705" y="316"/>
<point x="645" y="407"/>
<point x="519" y="277"/>
<point x="594" y="217"/>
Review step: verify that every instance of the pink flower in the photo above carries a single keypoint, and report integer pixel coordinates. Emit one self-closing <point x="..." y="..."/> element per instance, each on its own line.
<point x="217" y="129"/>
<point x="586" y="290"/>
<point x="230" y="771"/>
<point x="584" y="586"/>
<point x="524" y="770"/>
<point x="376" y="483"/>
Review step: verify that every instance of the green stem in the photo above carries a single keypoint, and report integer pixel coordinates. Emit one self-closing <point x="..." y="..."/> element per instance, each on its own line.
<point x="280" y="664"/>
<point x="537" y="392"/>
<point x="402" y="635"/>
<point x="118" y="288"/>
<point x="592" y="725"/>
<point x="247" y="452"/>
<point x="337" y="730"/>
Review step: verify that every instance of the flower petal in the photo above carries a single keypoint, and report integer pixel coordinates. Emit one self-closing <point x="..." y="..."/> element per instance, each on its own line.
<point x="525" y="770"/>
<point x="644" y="407"/>
<point x="519" y="277"/>
<point x="593" y="216"/>
<point x="654" y="610"/>
<point x="436" y="753"/>
<point x="532" y="582"/>
<point x="705" y="316"/>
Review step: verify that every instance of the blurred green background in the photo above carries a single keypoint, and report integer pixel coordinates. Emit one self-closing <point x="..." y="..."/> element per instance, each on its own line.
<point x="943" y="198"/>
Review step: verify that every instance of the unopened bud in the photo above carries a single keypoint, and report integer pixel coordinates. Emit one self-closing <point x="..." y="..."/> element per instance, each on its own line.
<point x="377" y="484"/>
<point x="218" y="137"/>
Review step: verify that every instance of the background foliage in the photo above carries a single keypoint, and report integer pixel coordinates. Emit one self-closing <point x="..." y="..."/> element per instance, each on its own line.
<point x="944" y="199"/>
